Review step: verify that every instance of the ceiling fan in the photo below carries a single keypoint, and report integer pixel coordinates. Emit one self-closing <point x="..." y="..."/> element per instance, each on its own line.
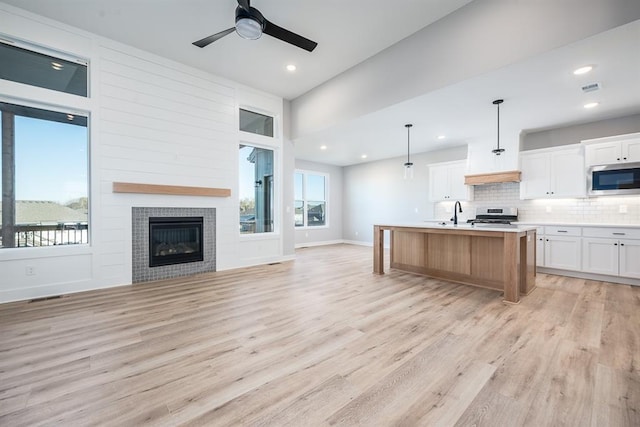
<point x="250" y="24"/>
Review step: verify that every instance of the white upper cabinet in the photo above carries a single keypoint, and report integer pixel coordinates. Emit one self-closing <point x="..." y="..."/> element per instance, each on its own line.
<point x="553" y="172"/>
<point x="612" y="150"/>
<point x="446" y="181"/>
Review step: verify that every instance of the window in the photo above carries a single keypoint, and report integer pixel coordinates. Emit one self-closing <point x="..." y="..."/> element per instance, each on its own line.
<point x="310" y="202"/>
<point x="37" y="69"/>
<point x="259" y="124"/>
<point x="44" y="169"/>
<point x="256" y="190"/>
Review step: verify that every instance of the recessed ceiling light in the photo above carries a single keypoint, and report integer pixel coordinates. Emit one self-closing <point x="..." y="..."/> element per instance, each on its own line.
<point x="364" y="156"/>
<point x="591" y="104"/>
<point x="583" y="70"/>
<point x="291" y="67"/>
<point x="323" y="147"/>
<point x="57" y="66"/>
<point x="441" y="137"/>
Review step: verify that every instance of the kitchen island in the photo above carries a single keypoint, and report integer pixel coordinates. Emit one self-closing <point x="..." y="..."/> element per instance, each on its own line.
<point x="501" y="257"/>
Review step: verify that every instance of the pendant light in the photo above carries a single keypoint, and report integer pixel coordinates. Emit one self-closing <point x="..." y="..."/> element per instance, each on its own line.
<point x="497" y="151"/>
<point x="408" y="166"/>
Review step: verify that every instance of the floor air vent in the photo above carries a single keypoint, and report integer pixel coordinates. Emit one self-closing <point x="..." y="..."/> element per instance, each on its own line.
<point x="45" y="298"/>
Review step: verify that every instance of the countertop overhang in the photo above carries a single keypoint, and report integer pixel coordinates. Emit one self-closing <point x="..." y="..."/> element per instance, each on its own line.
<point x="500" y="228"/>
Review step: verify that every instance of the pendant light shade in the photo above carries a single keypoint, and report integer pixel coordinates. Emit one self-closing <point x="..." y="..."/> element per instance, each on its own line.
<point x="497" y="151"/>
<point x="408" y="166"/>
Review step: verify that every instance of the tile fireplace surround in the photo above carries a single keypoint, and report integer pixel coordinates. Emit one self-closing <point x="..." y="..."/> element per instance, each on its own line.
<point x="140" y="243"/>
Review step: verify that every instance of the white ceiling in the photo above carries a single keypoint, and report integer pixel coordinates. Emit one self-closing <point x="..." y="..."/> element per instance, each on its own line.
<point x="539" y="93"/>
<point x="347" y="33"/>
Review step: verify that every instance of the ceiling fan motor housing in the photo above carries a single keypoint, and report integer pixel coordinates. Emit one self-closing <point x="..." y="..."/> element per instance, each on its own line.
<point x="249" y="23"/>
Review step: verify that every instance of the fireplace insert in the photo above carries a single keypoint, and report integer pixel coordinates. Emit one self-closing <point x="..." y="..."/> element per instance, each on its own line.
<point x="175" y="240"/>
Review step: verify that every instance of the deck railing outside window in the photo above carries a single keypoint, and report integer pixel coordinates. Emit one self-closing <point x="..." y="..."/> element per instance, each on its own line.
<point x="34" y="235"/>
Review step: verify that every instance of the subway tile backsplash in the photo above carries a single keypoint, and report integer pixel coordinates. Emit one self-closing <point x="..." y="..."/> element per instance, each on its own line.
<point x="601" y="210"/>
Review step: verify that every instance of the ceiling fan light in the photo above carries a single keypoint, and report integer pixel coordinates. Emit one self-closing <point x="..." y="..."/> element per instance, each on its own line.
<point x="248" y="28"/>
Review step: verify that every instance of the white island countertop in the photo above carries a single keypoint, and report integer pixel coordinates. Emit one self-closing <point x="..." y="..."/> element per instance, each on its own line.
<point x="576" y="224"/>
<point x="502" y="228"/>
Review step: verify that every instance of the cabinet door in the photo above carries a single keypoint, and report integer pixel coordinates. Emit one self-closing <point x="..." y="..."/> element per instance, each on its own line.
<point x="457" y="187"/>
<point x="603" y="154"/>
<point x="446" y="181"/>
<point x="438" y="183"/>
<point x="568" y="175"/>
<point x="630" y="258"/>
<point x="562" y="252"/>
<point x="540" y="251"/>
<point x="631" y="150"/>
<point x="600" y="256"/>
<point x="535" y="176"/>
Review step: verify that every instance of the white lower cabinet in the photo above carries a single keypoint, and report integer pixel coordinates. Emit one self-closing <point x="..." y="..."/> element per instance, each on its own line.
<point x="600" y="256"/>
<point x="540" y="251"/>
<point x="608" y="251"/>
<point x="540" y="247"/>
<point x="630" y="258"/>
<point x="613" y="257"/>
<point x="562" y="252"/>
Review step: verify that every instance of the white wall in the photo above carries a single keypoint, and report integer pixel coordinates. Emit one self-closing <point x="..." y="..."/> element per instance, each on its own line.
<point x="152" y="121"/>
<point x="574" y="134"/>
<point x="376" y="193"/>
<point x="333" y="232"/>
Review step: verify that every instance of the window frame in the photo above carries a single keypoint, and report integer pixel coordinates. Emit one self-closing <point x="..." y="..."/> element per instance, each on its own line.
<point x="275" y="200"/>
<point x="305" y="206"/>
<point x="56" y="54"/>
<point x="58" y="249"/>
<point x="274" y="144"/>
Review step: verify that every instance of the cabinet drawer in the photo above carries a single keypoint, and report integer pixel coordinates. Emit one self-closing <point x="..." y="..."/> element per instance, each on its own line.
<point x="611" y="233"/>
<point x="555" y="230"/>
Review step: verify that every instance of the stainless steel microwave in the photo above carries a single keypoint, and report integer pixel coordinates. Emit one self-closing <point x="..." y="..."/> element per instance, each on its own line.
<point x="623" y="178"/>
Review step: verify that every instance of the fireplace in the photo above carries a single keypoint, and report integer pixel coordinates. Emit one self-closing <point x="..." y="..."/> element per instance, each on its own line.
<point x="175" y="240"/>
<point x="142" y="243"/>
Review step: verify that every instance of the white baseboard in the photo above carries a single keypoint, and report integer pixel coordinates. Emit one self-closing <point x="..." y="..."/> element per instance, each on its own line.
<point x="323" y="243"/>
<point x="261" y="261"/>
<point x="358" y="243"/>
<point x="56" y="289"/>
<point x="590" y="276"/>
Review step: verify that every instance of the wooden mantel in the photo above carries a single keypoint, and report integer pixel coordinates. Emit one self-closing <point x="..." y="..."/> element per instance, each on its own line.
<point x="172" y="190"/>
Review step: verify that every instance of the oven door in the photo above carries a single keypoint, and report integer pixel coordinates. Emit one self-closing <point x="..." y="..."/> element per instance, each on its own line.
<point x="614" y="179"/>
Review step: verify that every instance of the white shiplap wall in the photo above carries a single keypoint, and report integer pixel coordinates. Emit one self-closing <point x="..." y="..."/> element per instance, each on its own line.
<point x="152" y="121"/>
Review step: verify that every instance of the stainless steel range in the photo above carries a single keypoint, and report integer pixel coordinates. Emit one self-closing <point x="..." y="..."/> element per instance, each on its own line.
<point x="500" y="215"/>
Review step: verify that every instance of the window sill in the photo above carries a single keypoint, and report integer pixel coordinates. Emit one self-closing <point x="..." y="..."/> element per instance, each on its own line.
<point x="15" y="254"/>
<point x="260" y="236"/>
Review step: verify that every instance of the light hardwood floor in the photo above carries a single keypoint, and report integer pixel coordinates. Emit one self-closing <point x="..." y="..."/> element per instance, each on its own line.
<point x="323" y="341"/>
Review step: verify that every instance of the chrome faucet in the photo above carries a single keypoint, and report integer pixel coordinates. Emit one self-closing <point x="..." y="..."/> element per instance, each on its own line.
<point x="456" y="208"/>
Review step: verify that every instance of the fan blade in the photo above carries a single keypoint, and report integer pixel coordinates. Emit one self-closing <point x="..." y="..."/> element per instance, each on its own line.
<point x="287" y="36"/>
<point x="208" y="40"/>
<point x="244" y="4"/>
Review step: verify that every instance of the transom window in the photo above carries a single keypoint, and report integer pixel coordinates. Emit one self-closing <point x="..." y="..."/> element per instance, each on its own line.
<point x="310" y="199"/>
<point x="46" y="71"/>
<point x="257" y="123"/>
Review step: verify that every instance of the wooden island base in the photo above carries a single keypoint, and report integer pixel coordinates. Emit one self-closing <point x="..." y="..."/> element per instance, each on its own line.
<point x="501" y="260"/>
